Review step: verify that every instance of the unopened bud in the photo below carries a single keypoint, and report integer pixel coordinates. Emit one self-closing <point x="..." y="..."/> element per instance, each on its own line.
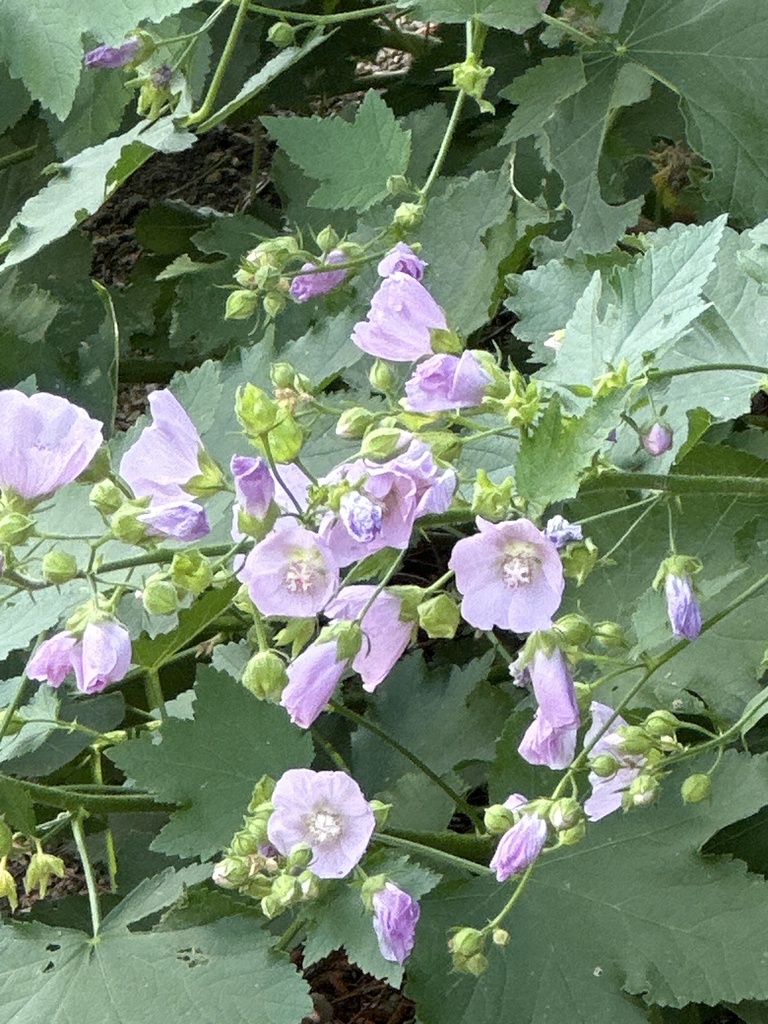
<point x="309" y="884"/>
<point x="466" y="942"/>
<point x="381" y="376"/>
<point x="282" y="375"/>
<point x="231" y="872"/>
<point x="610" y="634"/>
<point x="696" y="788"/>
<point x="125" y="523"/>
<point x="408" y="215"/>
<point x="498" y="819"/>
<point x="210" y="479"/>
<point x="327" y="239"/>
<point x="661" y="723"/>
<point x="274" y="303"/>
<point x="286" y="440"/>
<point x="642" y="791"/>
<point x="159" y="597"/>
<point x="576" y="630"/>
<point x="241" y="304"/>
<point x="191" y="571"/>
<point x="299" y="857"/>
<point x="657" y="439"/>
<point x="570" y="836"/>
<point x="265" y="676"/>
<point x="15" y="528"/>
<point x="281" y="34"/>
<point x="59" y="567"/>
<point x="245" y="843"/>
<point x="439" y="617"/>
<point x="106" y="497"/>
<point x="385" y="442"/>
<point x="633" y="739"/>
<point x="604" y="766"/>
<point x="565" y="813"/>
<point x="256" y="412"/>
<point x="500" y="937"/>
<point x="353" y="423"/>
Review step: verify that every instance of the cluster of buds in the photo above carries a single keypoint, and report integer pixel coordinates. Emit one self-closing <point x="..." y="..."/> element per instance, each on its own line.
<point x="42" y="866"/>
<point x="268" y="423"/>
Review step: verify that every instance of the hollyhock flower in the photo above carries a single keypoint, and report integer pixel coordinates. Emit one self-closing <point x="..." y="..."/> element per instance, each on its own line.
<point x="402" y="259"/>
<point x="254" y="486"/>
<point x="385" y="635"/>
<point x="46" y="442"/>
<point x="551" y="737"/>
<point x="113" y="56"/>
<point x="444" y="382"/>
<point x="52" y="661"/>
<point x="607" y="792"/>
<point x="307" y="286"/>
<point x="292" y="572"/>
<point x="395" y="915"/>
<point x="312" y="678"/>
<point x="401" y="316"/>
<point x="520" y="845"/>
<point x="434" y="486"/>
<point x="561" y="532"/>
<point x="100" y="657"/>
<point x="165" y="456"/>
<point x="325" y="810"/>
<point x="509" y="575"/>
<point x="657" y="440"/>
<point x="682" y="606"/>
<point x="184" y="520"/>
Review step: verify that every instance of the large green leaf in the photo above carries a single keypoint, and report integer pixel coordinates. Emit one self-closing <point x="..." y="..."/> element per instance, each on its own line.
<point x="211" y="764"/>
<point x="351" y="160"/>
<point x="517" y="15"/>
<point x="633" y="908"/>
<point x="24" y="614"/>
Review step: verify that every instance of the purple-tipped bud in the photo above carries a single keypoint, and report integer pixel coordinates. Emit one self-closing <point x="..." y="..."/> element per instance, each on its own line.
<point x="519" y="846"/>
<point x="657" y="440"/>
<point x="113" y="56"/>
<point x="561" y="532"/>
<point x="682" y="606"/>
<point x="307" y="286"/>
<point x="402" y="259"/>
<point x="254" y="486"/>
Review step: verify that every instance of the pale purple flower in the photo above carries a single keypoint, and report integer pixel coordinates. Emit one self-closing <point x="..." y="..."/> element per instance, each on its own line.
<point x="509" y="575"/>
<point x="312" y="678"/>
<point x="607" y="792"/>
<point x="682" y="606"/>
<point x="113" y="56"/>
<point x="551" y="737"/>
<point x="45" y="443"/>
<point x="254" y="486"/>
<point x="52" y="661"/>
<point x="184" y="520"/>
<point x="434" y="485"/>
<point x="444" y="382"/>
<point x="292" y="572"/>
<point x="395" y="916"/>
<point x="657" y="440"/>
<point x="402" y="259"/>
<point x="520" y="845"/>
<point x="307" y="286"/>
<point x="545" y="743"/>
<point x="361" y="516"/>
<point x="326" y="810"/>
<point x="561" y="532"/>
<point x="297" y="482"/>
<point x="385" y="634"/>
<point x="165" y="456"/>
<point x="401" y="316"/>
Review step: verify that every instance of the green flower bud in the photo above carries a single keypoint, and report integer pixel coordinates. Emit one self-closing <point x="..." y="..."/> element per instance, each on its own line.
<point x="575" y="629"/>
<point x="274" y="303"/>
<point x="125" y="524"/>
<point x="267" y="278"/>
<point x="286" y="891"/>
<point x="6" y="839"/>
<point x="604" y="766"/>
<point x="191" y="571"/>
<point x="353" y="423"/>
<point x="159" y="597"/>
<point x="15" y="528"/>
<point x="443" y="340"/>
<point x="475" y="965"/>
<point x="579" y="559"/>
<point x="408" y="216"/>
<point x="286" y="439"/>
<point x="106" y="497"/>
<point x="380" y="813"/>
<point x="41" y="868"/>
<point x="642" y="791"/>
<point x="383" y="443"/>
<point x="8" y="886"/>
<point x="282" y="375"/>
<point x="498" y="819"/>
<point x="381" y="376"/>
<point x="256" y="412"/>
<point x="398" y="184"/>
<point x="59" y="567"/>
<point x="310" y="887"/>
<point x="210" y="479"/>
<point x="570" y="836"/>
<point x="633" y="739"/>
<point x="610" y="634"/>
<point x="696" y="788"/>
<point x="262" y="793"/>
<point x="661" y="723"/>
<point x="244" y="843"/>
<point x="490" y="500"/>
<point x="299" y="857"/>
<point x="466" y="942"/>
<point x="369" y="888"/>
<point x="439" y="617"/>
<point x="265" y="676"/>
<point x="241" y="304"/>
<point x="500" y="937"/>
<point x="471" y="78"/>
<point x="327" y="239"/>
<point x="231" y="873"/>
<point x="565" y="814"/>
<point x="281" y="34"/>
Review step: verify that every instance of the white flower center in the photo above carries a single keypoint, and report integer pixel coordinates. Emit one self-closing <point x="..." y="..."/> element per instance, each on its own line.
<point x="322" y="827"/>
<point x="302" y="574"/>
<point x="518" y="569"/>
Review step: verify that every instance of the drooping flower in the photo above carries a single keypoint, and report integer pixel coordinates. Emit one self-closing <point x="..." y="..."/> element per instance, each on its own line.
<point x="385" y="634"/>
<point x="402" y="259"/>
<point x="184" y="520"/>
<point x="401" y="316"/>
<point x="100" y="657"/>
<point x="551" y="737"/>
<point x="307" y="286"/>
<point x="607" y="791"/>
<point x="520" y="845"/>
<point x="657" y="439"/>
<point x="166" y="455"/>
<point x="292" y="572"/>
<point x="113" y="56"/>
<point x="312" y="678"/>
<point x="52" y="661"/>
<point x="395" y="916"/>
<point x="509" y="575"/>
<point x="444" y="382"/>
<point x="561" y="532"/>
<point x="45" y="443"/>
<point x="254" y="485"/>
<point x="682" y="606"/>
<point x="328" y="812"/>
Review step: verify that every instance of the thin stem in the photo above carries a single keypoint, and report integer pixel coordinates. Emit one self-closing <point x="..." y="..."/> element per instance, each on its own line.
<point x="13" y="707"/>
<point x="90" y="880"/>
<point x="276" y="474"/>
<point x="570" y="30"/>
<point x="460" y="802"/>
<point x="17" y="157"/>
<point x="290" y="933"/>
<point x="109" y="838"/>
<point x="430" y="851"/>
<point x="681" y="371"/>
<point x="619" y="511"/>
<point x="678" y="483"/>
<point x="450" y="130"/>
<point x="630" y="529"/>
<point x="218" y="75"/>
<point x="154" y="691"/>
<point x="513" y="899"/>
<point x="320" y="19"/>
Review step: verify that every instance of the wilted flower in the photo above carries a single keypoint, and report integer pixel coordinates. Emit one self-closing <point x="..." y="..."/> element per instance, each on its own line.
<point x="114" y="56"/>
<point x="328" y="812"/>
<point x="312" y="678"/>
<point x="657" y="440"/>
<point x="254" y="485"/>
<point x="607" y="792"/>
<point x="100" y="657"/>
<point x="184" y="520"/>
<point x="399" y="321"/>
<point x="307" y="286"/>
<point x="46" y="442"/>
<point x="561" y="532"/>
<point x="509" y="575"/>
<point x="292" y="572"/>
<point x="395" y="915"/>
<point x="385" y="635"/>
<point x="551" y="737"/>
<point x="682" y="606"/>
<point x="402" y="259"/>
<point x="520" y="845"/>
<point x="444" y="382"/>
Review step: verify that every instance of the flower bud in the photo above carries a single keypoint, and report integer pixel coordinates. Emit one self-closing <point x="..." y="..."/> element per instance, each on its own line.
<point x="490" y="500"/>
<point x="245" y="843"/>
<point x="385" y="442"/>
<point x="286" y="439"/>
<point x="265" y="676"/>
<point x="571" y="836"/>
<point x="106" y="497"/>
<point x="372" y="885"/>
<point x="327" y="239"/>
<point x="282" y="375"/>
<point x="210" y="479"/>
<point x="439" y="617"/>
<point x="281" y="34"/>
<point x="41" y="868"/>
<point x="381" y="376"/>
<point x="286" y="891"/>
<point x="8" y="886"/>
<point x="353" y="423"/>
<point x="159" y="597"/>
<point x="657" y="439"/>
<point x="604" y="766"/>
<point x="579" y="560"/>
<point x="498" y="819"/>
<point x="443" y="340"/>
<point x="380" y="813"/>
<point x="633" y="739"/>
<point x="575" y="629"/>
<point x="310" y="887"/>
<point x="256" y="412"/>
<point x="125" y="524"/>
<point x="408" y="216"/>
<point x="274" y="303"/>
<point x="610" y="634"/>
<point x="642" y="791"/>
<point x="661" y="723"/>
<point x="231" y="872"/>
<point x="191" y="571"/>
<point x="6" y="839"/>
<point x="695" y="788"/>
<point x="299" y="857"/>
<point x="15" y="528"/>
<point x="565" y="814"/>
<point x="466" y="942"/>
<point x="500" y="937"/>
<point x="471" y="78"/>
<point x="241" y="304"/>
<point x="58" y="567"/>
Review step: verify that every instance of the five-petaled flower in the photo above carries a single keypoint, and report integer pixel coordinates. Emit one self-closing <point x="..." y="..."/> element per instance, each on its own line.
<point x="400" y="319"/>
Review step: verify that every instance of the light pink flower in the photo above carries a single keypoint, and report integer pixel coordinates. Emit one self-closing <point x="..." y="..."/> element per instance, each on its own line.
<point x="520" y="845"/>
<point x="607" y="792"/>
<point x="445" y="382"/>
<point x="395" y="916"/>
<point x="100" y="657"/>
<point x="399" y="321"/>
<point x="52" y="661"/>
<point x="307" y="286"/>
<point x="509" y="575"/>
<point x="551" y="737"/>
<point x="402" y="259"/>
<point x="165" y="456"/>
<point x="385" y="635"/>
<point x="312" y="678"/>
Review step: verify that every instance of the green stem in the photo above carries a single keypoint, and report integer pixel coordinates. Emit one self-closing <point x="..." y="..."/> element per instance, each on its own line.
<point x="442" y="153"/>
<point x="13" y="707"/>
<point x="80" y="800"/>
<point x="512" y="900"/>
<point x="218" y="75"/>
<point x="154" y="691"/>
<point x="320" y="19"/>
<point x="570" y="30"/>
<point x="422" y="850"/>
<point x="17" y="157"/>
<point x="90" y="880"/>
<point x="290" y="933"/>
<point x="682" y="371"/>
<point x="678" y="483"/>
<point x="458" y="800"/>
<point x="109" y="838"/>
<point x="619" y="511"/>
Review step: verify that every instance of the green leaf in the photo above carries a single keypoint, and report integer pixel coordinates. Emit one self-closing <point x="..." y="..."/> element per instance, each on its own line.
<point x="211" y="764"/>
<point x="633" y="908"/>
<point x="538" y="91"/>
<point x="516" y="15"/>
<point x="24" y="614"/>
<point x="16" y="100"/>
<point x="26" y="313"/>
<point x="351" y="160"/>
<point x="154" y="894"/>
<point x="17" y="808"/>
<point x="97" y="112"/>
<point x="153" y="654"/>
